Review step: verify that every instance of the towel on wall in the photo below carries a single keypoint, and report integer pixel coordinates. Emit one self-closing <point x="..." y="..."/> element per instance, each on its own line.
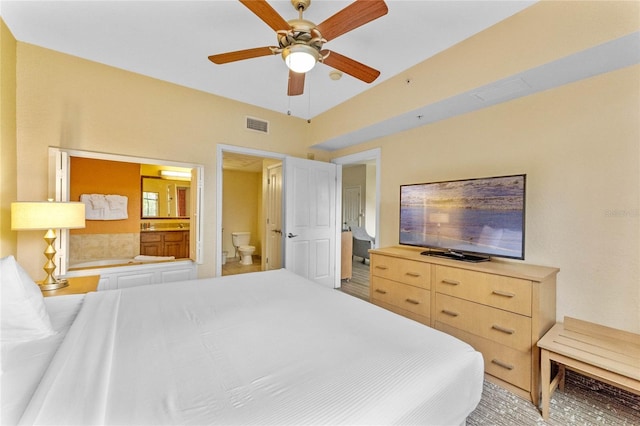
<point x="104" y="207"/>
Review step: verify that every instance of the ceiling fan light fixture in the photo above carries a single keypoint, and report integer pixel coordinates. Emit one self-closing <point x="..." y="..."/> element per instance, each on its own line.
<point x="300" y="58"/>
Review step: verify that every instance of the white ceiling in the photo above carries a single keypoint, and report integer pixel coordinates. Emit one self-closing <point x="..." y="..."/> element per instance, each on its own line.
<point x="171" y="41"/>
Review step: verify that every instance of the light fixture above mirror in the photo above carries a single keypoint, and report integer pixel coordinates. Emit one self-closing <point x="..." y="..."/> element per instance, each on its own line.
<point x="175" y="174"/>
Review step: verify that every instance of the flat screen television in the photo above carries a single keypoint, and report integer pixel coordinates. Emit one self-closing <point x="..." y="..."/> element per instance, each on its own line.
<point x="469" y="219"/>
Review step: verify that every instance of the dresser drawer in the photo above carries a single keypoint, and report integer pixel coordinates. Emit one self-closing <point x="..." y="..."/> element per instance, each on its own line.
<point x="511" y="294"/>
<point x="505" y="363"/>
<point x="406" y="297"/>
<point x="402" y="270"/>
<point x="500" y="326"/>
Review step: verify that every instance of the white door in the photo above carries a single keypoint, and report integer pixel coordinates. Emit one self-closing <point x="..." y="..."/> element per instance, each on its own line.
<point x="274" y="217"/>
<point x="351" y="206"/>
<point x="310" y="219"/>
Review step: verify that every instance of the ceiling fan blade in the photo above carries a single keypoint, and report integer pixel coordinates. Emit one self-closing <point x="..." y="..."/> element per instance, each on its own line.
<point x="350" y="66"/>
<point x="351" y="17"/>
<point x="240" y="55"/>
<point x="264" y="11"/>
<point x="296" y="83"/>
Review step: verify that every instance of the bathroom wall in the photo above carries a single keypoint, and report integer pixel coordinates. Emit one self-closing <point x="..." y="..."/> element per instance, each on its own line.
<point x="90" y="176"/>
<point x="105" y="239"/>
<point x="241" y="207"/>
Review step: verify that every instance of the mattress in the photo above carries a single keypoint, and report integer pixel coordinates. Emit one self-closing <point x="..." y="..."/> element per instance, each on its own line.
<point x="262" y="348"/>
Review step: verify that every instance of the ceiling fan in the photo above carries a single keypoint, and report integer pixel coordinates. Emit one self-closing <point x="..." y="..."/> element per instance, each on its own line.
<point x="300" y="42"/>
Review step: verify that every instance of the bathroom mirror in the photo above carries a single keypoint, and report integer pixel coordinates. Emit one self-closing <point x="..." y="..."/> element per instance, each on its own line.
<point x="164" y="198"/>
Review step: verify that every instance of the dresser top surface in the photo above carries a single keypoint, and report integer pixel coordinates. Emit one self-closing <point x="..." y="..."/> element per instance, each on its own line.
<point x="499" y="267"/>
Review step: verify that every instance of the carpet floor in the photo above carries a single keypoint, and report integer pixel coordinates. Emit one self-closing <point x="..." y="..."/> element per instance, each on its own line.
<point x="583" y="402"/>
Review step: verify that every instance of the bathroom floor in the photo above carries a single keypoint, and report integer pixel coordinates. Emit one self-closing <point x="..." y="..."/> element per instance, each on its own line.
<point x="233" y="266"/>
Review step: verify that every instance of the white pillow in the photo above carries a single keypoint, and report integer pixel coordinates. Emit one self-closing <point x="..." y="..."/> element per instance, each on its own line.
<point x="24" y="316"/>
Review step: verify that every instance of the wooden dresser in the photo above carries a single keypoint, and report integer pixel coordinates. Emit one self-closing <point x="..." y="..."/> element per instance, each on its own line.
<point x="401" y="285"/>
<point x="500" y="308"/>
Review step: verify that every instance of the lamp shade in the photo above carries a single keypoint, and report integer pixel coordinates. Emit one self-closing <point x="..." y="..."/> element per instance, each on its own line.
<point x="47" y="215"/>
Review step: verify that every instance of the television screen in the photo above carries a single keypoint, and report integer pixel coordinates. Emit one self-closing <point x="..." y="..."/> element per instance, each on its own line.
<point x="483" y="216"/>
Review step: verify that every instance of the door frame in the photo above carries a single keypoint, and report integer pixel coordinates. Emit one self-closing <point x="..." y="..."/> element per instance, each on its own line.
<point x="59" y="180"/>
<point x="220" y="150"/>
<point x="356" y="158"/>
<point x="359" y="158"/>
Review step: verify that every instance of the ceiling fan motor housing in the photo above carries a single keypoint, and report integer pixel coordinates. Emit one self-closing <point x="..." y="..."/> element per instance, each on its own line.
<point x="301" y="42"/>
<point x="301" y="5"/>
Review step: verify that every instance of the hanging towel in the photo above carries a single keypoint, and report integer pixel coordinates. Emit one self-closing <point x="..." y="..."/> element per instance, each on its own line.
<point x="146" y="258"/>
<point x="98" y="201"/>
<point x="90" y="211"/>
<point x="117" y="207"/>
<point x="104" y="207"/>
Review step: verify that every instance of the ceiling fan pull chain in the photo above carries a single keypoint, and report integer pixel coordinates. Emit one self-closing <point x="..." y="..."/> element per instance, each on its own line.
<point x="309" y="104"/>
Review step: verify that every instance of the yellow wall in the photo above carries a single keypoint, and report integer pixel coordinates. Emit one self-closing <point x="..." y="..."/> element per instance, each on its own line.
<point x="542" y="33"/>
<point x="578" y="144"/>
<point x="69" y="102"/>
<point x="579" y="147"/>
<point x="8" y="165"/>
<point x="241" y="207"/>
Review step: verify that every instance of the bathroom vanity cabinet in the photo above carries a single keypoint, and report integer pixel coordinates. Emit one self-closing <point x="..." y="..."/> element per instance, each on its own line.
<point x="165" y="243"/>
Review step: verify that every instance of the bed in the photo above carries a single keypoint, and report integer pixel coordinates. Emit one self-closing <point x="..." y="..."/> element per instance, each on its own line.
<point x="259" y="348"/>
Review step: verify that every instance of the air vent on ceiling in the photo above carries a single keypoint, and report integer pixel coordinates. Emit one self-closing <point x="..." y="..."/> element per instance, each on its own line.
<point x="257" y="125"/>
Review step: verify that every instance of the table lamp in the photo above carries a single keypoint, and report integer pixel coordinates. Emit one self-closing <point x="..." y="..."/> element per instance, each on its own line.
<point x="48" y="215"/>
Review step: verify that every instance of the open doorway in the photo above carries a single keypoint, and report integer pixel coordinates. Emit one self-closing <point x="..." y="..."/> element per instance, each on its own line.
<point x="249" y="204"/>
<point x="251" y="213"/>
<point x="360" y="187"/>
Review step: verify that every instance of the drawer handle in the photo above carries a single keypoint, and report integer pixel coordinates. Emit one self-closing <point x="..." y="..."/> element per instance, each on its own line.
<point x="381" y="291"/>
<point x="412" y="301"/>
<point x="503" y="329"/>
<point x="384" y="268"/>
<point x="451" y="282"/>
<point x="413" y="274"/>
<point x="503" y="293"/>
<point x="450" y="313"/>
<point x="502" y="364"/>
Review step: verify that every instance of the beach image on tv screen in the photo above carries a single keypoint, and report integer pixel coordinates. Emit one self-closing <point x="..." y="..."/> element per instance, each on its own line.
<point x="478" y="215"/>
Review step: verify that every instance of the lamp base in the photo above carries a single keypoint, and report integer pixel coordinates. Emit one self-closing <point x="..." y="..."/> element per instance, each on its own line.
<point x="59" y="283"/>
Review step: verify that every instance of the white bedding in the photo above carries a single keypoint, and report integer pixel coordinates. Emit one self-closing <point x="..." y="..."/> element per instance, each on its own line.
<point x="24" y="363"/>
<point x="264" y="348"/>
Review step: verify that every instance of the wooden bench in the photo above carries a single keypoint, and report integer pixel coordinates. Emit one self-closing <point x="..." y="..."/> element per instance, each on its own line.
<point x="603" y="353"/>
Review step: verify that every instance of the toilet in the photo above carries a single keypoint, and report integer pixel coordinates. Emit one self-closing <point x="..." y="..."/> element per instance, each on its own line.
<point x="241" y="241"/>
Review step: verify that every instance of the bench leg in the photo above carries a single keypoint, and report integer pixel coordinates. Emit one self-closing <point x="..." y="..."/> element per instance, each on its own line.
<point x="561" y="376"/>
<point x="545" y="370"/>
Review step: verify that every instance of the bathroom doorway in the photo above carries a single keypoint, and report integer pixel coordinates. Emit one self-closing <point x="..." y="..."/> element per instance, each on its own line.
<point x="251" y="201"/>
